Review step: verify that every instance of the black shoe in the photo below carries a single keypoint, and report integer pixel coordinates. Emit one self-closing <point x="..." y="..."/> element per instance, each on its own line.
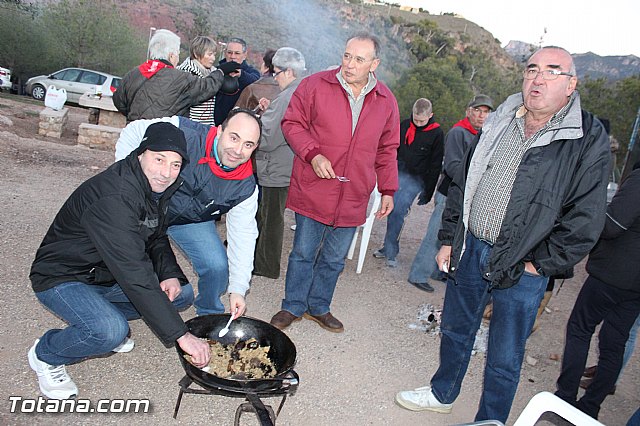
<point x="423" y="286"/>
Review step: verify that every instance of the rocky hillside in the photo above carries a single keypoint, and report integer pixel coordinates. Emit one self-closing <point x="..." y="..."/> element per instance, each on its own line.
<point x="318" y="28"/>
<point x="588" y="65"/>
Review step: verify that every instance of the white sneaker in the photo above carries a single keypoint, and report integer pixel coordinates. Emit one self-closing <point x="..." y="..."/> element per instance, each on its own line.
<point x="421" y="399"/>
<point x="124" y="347"/>
<point x="54" y="381"/>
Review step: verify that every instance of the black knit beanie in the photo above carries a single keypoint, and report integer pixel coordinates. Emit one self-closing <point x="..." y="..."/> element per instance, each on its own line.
<point x="164" y="136"/>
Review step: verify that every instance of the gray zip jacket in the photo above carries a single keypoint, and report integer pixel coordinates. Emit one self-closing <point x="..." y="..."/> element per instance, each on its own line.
<point x="274" y="157"/>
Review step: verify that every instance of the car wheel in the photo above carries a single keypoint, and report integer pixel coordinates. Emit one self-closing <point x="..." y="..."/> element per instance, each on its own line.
<point x="38" y="92"/>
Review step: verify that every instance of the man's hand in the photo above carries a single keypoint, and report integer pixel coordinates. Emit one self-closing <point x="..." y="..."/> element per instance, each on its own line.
<point x="322" y="166"/>
<point x="386" y="207"/>
<point x="263" y="104"/>
<point x="171" y="288"/>
<point x="528" y="266"/>
<point x="237" y="302"/>
<point x="442" y="258"/>
<point x="197" y="348"/>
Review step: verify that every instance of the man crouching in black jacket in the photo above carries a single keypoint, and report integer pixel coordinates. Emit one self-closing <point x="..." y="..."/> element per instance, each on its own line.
<point x="106" y="259"/>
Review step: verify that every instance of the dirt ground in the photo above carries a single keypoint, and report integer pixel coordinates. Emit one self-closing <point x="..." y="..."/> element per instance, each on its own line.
<point x="346" y="379"/>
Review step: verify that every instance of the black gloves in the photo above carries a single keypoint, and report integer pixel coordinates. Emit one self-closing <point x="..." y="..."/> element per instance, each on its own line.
<point x="229" y="67"/>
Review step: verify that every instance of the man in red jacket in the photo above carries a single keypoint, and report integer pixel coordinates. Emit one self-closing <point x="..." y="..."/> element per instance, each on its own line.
<point x="344" y="128"/>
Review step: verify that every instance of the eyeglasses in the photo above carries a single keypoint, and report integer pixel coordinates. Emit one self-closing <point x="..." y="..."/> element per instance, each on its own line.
<point x="275" y="74"/>
<point x="551" y="74"/>
<point x="347" y="57"/>
<point x="480" y="110"/>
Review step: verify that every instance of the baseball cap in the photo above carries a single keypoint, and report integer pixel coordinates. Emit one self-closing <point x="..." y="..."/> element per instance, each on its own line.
<point x="481" y="100"/>
<point x="164" y="137"/>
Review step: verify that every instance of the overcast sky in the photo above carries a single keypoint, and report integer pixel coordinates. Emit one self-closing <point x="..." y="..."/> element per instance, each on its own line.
<point x="605" y="27"/>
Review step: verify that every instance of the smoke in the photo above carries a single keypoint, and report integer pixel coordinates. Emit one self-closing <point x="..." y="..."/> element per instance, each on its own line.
<point x="312" y="29"/>
<point x="317" y="28"/>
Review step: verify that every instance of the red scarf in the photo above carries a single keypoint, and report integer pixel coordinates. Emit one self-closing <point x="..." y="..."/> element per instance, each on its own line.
<point x="152" y="66"/>
<point x="411" y="131"/>
<point x="466" y="124"/>
<point x="243" y="171"/>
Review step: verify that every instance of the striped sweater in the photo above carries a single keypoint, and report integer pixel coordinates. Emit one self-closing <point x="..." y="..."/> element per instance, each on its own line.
<point x="203" y="112"/>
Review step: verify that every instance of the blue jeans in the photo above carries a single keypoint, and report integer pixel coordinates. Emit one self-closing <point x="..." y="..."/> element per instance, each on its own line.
<point x="635" y="419"/>
<point x="514" y="312"/>
<point x="630" y="345"/>
<point x="409" y="188"/>
<point x="97" y="320"/>
<point x="315" y="263"/>
<point x="201" y="244"/>
<point x="424" y="264"/>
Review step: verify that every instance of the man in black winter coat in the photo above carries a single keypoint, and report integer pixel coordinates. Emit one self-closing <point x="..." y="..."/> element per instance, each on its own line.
<point x="611" y="296"/>
<point x="106" y="259"/>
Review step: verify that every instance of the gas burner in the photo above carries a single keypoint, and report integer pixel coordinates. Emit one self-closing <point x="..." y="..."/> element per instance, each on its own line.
<point x="266" y="415"/>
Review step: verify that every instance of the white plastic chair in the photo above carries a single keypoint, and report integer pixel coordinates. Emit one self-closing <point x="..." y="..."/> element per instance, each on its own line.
<point x="546" y="401"/>
<point x="372" y="208"/>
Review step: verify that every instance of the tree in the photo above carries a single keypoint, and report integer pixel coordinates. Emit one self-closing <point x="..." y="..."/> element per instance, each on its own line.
<point x="617" y="102"/>
<point x="25" y="47"/>
<point x="93" y="34"/>
<point x="440" y="81"/>
<point x="193" y="23"/>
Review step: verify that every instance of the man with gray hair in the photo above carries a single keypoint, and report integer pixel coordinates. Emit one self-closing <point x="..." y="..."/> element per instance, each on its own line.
<point x="419" y="163"/>
<point x="528" y="203"/>
<point x="344" y="127"/>
<point x="274" y="161"/>
<point x="235" y="52"/>
<point x="157" y="89"/>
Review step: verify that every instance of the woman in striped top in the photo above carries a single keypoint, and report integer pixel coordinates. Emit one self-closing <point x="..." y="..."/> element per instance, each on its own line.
<point x="202" y="55"/>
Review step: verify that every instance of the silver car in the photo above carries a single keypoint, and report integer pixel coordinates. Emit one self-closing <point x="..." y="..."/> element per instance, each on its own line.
<point x="76" y="81"/>
<point x="5" y="78"/>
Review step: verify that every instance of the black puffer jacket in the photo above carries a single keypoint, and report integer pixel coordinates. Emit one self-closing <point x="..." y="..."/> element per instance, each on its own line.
<point x="614" y="260"/>
<point x="166" y="92"/>
<point x="556" y="211"/>
<point x="110" y="218"/>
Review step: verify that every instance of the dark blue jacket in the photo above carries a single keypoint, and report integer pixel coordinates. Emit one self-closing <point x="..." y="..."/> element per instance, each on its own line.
<point x="204" y="196"/>
<point x="225" y="102"/>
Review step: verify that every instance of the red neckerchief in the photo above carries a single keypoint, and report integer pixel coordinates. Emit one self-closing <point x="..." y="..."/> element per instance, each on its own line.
<point x="411" y="131"/>
<point x="243" y="171"/>
<point x="152" y="66"/>
<point x="466" y="124"/>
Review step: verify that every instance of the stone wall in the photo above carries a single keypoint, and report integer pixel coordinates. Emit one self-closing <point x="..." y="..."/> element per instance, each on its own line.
<point x="52" y="122"/>
<point x="97" y="136"/>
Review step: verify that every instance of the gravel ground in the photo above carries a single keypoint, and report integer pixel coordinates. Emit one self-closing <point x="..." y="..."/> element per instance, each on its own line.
<point x="346" y="379"/>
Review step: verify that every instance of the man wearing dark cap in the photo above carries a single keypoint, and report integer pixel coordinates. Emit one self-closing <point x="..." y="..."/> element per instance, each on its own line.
<point x="106" y="259"/>
<point x="456" y="142"/>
